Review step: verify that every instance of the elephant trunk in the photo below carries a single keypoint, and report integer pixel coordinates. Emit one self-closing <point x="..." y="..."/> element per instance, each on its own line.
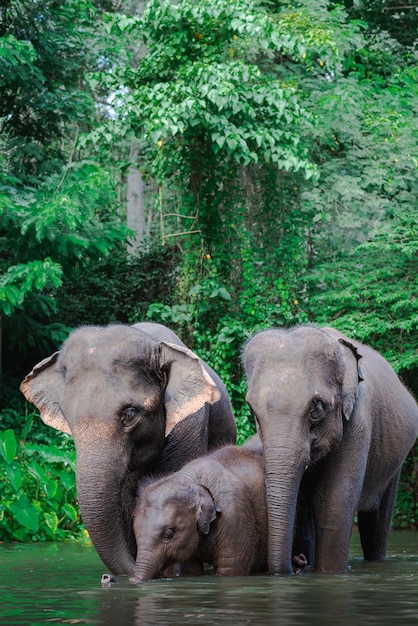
<point x="284" y="470"/>
<point x="146" y="567"/>
<point x="100" y="491"/>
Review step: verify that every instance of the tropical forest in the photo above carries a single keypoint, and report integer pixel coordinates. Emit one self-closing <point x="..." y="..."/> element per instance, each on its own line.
<point x="219" y="167"/>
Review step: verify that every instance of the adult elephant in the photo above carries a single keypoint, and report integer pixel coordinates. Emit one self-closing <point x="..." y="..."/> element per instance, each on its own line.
<point x="332" y="433"/>
<point x="137" y="402"/>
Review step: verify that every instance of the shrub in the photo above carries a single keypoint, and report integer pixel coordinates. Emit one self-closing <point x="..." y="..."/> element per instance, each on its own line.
<point x="38" y="499"/>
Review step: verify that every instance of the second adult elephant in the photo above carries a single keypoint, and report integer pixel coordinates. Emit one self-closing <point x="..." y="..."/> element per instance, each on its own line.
<point x="335" y="434"/>
<point x="137" y="402"/>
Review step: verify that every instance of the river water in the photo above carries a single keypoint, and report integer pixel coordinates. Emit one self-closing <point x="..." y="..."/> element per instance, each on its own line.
<point x="60" y="583"/>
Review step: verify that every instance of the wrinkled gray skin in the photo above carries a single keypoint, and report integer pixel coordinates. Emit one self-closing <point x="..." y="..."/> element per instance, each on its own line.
<point x="337" y="439"/>
<point x="213" y="509"/>
<point x="136" y="401"/>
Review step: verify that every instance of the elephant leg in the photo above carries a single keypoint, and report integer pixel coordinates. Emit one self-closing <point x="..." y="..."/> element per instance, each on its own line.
<point x="332" y="546"/>
<point x="233" y="558"/>
<point x="334" y="509"/>
<point x="374" y="526"/>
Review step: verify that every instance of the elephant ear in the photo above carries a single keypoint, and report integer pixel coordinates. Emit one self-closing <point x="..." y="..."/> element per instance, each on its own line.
<point x="352" y="376"/>
<point x="43" y="387"/>
<point x="207" y="510"/>
<point x="189" y="386"/>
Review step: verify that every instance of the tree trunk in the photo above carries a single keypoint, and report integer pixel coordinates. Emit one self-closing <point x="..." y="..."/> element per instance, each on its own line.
<point x="135" y="203"/>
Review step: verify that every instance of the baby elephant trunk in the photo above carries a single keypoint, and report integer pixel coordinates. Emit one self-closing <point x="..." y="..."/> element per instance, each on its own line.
<point x="147" y="567"/>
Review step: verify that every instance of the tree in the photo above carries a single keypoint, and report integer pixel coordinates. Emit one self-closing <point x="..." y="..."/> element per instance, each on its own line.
<point x="135" y="201"/>
<point x="43" y="61"/>
<point x="366" y="237"/>
<point x="207" y="104"/>
<point x="225" y="134"/>
<point x="55" y="209"/>
<point x="45" y="234"/>
<point x="399" y="19"/>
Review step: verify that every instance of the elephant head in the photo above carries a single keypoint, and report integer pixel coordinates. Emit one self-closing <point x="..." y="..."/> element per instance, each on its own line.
<point x="124" y="394"/>
<point x="170" y="516"/>
<point x="302" y="389"/>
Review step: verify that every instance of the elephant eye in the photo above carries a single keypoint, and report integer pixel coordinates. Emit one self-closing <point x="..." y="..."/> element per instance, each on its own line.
<point x="129" y="415"/>
<point x="317" y="410"/>
<point x="168" y="534"/>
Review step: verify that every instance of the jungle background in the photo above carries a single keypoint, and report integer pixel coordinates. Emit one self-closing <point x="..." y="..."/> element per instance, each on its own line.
<point x="220" y="166"/>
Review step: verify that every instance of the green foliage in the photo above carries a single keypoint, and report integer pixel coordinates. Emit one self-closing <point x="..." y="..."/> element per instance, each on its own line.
<point x="364" y="275"/>
<point x="14" y="53"/>
<point x="200" y="83"/>
<point x="210" y="104"/>
<point x="37" y="488"/>
<point x="26" y="278"/>
<point x="216" y="323"/>
<point x="278" y="145"/>
<point x="400" y="19"/>
<point x="46" y="233"/>
<point x="40" y="91"/>
<point x="66" y="221"/>
<point x="117" y="289"/>
<point x="381" y="308"/>
<point x="57" y="210"/>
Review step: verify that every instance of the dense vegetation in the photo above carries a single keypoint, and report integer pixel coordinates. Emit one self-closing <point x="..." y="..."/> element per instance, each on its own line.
<point x="217" y="166"/>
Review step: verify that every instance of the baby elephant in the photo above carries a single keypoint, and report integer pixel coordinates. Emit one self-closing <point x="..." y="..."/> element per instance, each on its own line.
<point x="212" y="510"/>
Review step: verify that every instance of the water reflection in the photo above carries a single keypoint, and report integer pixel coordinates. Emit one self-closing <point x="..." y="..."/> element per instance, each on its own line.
<point x="60" y="584"/>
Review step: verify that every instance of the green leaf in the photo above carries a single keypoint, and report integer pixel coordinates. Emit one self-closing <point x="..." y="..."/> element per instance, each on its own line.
<point x="71" y="512"/>
<point x="14" y="474"/>
<point x="224" y="294"/>
<point x="67" y="479"/>
<point x="25" y="513"/>
<point x="51" y="520"/>
<point x="51" y="488"/>
<point x="21" y="534"/>
<point x="8" y="445"/>
<point x="38" y="472"/>
<point x="50" y="454"/>
<point x="232" y="143"/>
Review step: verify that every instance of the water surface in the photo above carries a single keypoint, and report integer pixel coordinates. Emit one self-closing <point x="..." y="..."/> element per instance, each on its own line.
<point x="60" y="583"/>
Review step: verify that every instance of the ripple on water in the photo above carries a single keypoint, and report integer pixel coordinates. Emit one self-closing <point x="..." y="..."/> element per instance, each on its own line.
<point x="61" y="584"/>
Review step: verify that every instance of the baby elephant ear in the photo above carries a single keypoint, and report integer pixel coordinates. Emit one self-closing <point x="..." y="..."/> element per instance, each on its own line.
<point x="189" y="386"/>
<point x="207" y="510"/>
<point x="43" y="387"/>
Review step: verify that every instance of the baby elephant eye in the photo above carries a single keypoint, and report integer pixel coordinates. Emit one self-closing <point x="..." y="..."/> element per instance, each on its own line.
<point x="168" y="533"/>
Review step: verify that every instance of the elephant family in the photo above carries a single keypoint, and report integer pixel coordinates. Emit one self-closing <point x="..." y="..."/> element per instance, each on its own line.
<point x="336" y="424"/>
<point x="212" y="510"/>
<point x="137" y="402"/>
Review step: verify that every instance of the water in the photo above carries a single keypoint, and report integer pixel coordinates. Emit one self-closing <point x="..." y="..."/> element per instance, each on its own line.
<point x="60" y="583"/>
